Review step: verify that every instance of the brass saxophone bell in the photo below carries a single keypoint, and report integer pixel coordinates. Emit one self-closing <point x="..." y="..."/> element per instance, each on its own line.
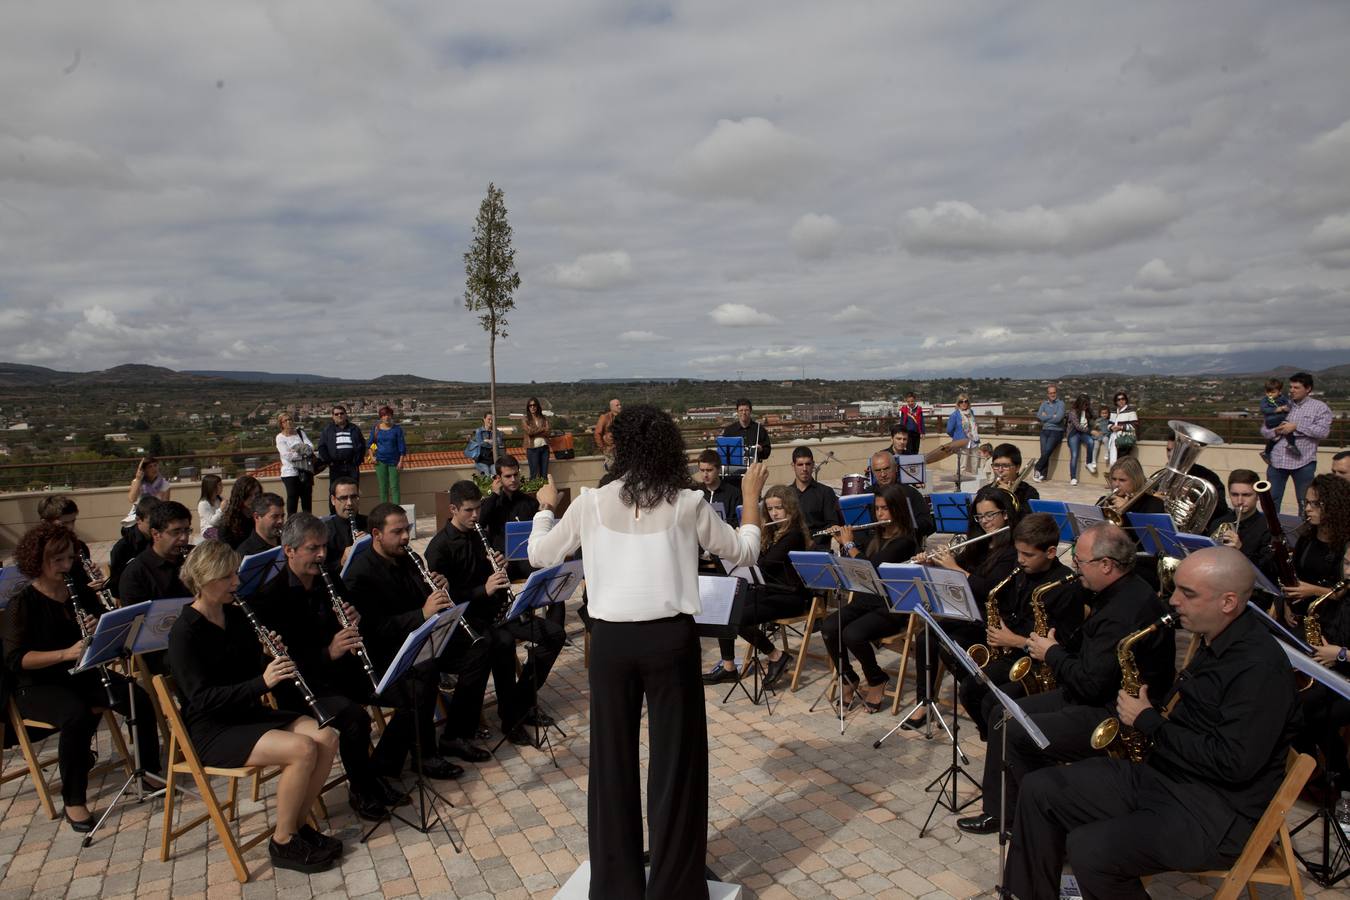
<point x="1105" y="733"/>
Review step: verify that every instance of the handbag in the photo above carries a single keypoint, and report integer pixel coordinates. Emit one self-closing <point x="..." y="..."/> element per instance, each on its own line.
<point x="1125" y="442"/>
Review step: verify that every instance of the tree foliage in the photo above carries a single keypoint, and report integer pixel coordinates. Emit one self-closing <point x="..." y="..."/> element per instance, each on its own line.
<point x="491" y="278"/>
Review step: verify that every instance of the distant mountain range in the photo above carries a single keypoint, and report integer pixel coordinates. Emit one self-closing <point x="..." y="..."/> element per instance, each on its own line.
<point x="1243" y="363"/>
<point x="19" y="375"/>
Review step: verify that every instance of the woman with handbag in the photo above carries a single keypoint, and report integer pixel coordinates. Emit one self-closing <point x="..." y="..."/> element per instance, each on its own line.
<point x="485" y="447"/>
<point x="297" y="464"/>
<point x="1124" y="429"/>
<point x="535" y="426"/>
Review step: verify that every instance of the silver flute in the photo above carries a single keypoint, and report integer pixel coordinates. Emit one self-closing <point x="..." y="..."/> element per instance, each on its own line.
<point x="87" y="636"/>
<point x="274" y="650"/>
<point x="500" y="618"/>
<point x="345" y="622"/>
<point x="829" y="531"/>
<point x="426" y="576"/>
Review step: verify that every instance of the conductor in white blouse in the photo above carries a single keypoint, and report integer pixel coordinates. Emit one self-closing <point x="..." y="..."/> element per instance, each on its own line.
<point x="639" y="536"/>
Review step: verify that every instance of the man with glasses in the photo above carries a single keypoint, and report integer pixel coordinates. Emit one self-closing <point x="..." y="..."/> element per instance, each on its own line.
<point x="342" y="448"/>
<point x="884" y="472"/>
<point x="153" y="574"/>
<point x="1308" y="422"/>
<point x="1007" y="463"/>
<point x="347" y="525"/>
<point x="1086" y="670"/>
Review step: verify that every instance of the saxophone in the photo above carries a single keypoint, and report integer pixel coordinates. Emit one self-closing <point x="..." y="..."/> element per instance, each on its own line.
<point x="983" y="654"/>
<point x="1122" y="741"/>
<point x="1041" y="678"/>
<point x="1312" y="623"/>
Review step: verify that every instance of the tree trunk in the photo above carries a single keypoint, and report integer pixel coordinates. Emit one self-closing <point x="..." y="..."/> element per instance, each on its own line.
<point x="492" y="386"/>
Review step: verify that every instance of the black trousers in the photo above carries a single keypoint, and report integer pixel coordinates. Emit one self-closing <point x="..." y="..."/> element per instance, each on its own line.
<point x="964" y="633"/>
<point x="1067" y="725"/>
<point x="1115" y="821"/>
<point x="472" y="662"/>
<point x="71" y="708"/>
<point x="1325" y="712"/>
<point x="299" y="490"/>
<point x="974" y="693"/>
<point x="516" y="696"/>
<point x="863" y="621"/>
<point x="658" y="660"/>
<point x="912" y="439"/>
<point x="352" y="723"/>
<point x="764" y="603"/>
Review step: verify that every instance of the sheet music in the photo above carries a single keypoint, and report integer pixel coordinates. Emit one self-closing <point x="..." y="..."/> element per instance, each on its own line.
<point x="1316" y="671"/>
<point x="859" y="575"/>
<point x="716" y="596"/>
<point x="952" y="592"/>
<point x="1085" y="514"/>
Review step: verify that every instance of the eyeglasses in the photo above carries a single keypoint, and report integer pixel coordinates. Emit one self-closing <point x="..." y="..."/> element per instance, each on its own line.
<point x="1312" y="504"/>
<point x="962" y="402"/>
<point x="338" y="412"/>
<point x="1003" y="465"/>
<point x="986" y="516"/>
<point x="347" y="497"/>
<point x="1118" y="399"/>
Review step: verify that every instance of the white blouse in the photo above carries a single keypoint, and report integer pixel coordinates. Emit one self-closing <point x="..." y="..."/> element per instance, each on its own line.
<point x="210" y="515"/>
<point x="642" y="565"/>
<point x="288" y="448"/>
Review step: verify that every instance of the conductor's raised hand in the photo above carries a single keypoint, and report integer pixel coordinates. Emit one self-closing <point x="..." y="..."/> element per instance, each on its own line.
<point x="435" y="603"/>
<point x="547" y="495"/>
<point x="752" y="484"/>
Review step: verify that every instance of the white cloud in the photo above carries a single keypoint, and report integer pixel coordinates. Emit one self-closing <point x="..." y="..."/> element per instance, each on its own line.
<point x="738" y="315"/>
<point x="1126" y="212"/>
<point x="1158" y="275"/>
<point x="457" y="348"/>
<point x="852" y="313"/>
<point x="595" y="271"/>
<point x="640" y="337"/>
<point x="600" y="365"/>
<point x="751" y="158"/>
<point x="1329" y="242"/>
<point x="815" y="236"/>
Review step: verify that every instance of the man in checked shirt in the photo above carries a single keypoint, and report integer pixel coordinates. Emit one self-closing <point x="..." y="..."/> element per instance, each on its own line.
<point x="1309" y="421"/>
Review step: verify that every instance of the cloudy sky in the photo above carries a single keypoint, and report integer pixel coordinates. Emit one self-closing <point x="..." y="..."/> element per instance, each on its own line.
<point x="698" y="188"/>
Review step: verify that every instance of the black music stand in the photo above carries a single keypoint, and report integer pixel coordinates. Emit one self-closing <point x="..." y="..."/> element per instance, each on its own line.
<point x="1334" y="866"/>
<point x="722" y="602"/>
<point x="117" y="632"/>
<point x="817" y="572"/>
<point x="423" y="645"/>
<point x="544" y="588"/>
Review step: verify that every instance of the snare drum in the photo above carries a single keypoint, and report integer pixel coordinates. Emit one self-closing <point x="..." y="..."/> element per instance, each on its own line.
<point x="854" y="484"/>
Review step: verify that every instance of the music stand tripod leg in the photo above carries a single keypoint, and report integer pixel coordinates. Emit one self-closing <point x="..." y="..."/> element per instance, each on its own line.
<point x="137" y="774"/>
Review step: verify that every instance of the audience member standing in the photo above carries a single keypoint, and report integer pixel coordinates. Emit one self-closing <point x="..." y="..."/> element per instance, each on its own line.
<point x="961" y="425"/>
<point x="911" y="423"/>
<point x="486" y="446"/>
<point x="1051" y="416"/>
<point x="390" y="447"/>
<point x="297" y="464"/>
<point x="210" y="508"/>
<point x="342" y="448"/>
<point x="1307" y="422"/>
<point x="1123" y="429"/>
<point x="604" y="439"/>
<point x="147" y="482"/>
<point x="535" y="426"/>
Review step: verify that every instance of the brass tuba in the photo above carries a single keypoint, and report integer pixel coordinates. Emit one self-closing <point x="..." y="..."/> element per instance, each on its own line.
<point x="983" y="654"/>
<point x="1188" y="499"/>
<point x="1122" y="741"/>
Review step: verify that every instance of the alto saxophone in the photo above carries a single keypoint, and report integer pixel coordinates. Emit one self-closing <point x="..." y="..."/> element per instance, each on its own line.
<point x="1312" y="622"/>
<point x="1124" y="741"/>
<point x="983" y="654"/>
<point x="1041" y="678"/>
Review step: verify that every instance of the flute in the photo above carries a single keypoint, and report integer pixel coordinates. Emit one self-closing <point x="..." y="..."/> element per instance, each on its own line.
<point x="826" y="532"/>
<point x="275" y="651"/>
<point x="952" y="548"/>
<point x="345" y="622"/>
<point x="426" y="576"/>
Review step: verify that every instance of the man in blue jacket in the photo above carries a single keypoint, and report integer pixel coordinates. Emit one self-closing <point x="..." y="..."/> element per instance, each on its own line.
<point x="342" y="447"/>
<point x="1051" y="416"/>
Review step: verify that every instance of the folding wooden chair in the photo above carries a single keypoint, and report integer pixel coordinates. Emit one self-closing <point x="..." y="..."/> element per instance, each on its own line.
<point x="807" y="622"/>
<point x="36" y="766"/>
<point x="183" y="760"/>
<point x="903" y="644"/>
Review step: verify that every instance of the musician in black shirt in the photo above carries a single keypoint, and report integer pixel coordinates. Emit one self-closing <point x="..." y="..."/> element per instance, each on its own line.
<point x="392" y="597"/>
<point x="269" y="512"/>
<point x="346" y="525"/>
<point x="1085" y="667"/>
<point x="1250" y="532"/>
<point x="42" y="641"/>
<point x="752" y="433"/>
<point x="1326" y="712"/>
<point x="458" y="553"/>
<point x="135" y="538"/>
<point x="153" y="574"/>
<point x="1216" y="761"/>
<point x="1006" y="463"/>
<point x="1036" y="541"/>
<point x="819" y="504"/>
<point x="883" y="471"/>
<point x="296" y="604"/>
<point x="781" y="595"/>
<point x="508" y="503"/>
<point x="715" y="488"/>
<point x="1322" y="541"/>
<point x="868" y="618"/>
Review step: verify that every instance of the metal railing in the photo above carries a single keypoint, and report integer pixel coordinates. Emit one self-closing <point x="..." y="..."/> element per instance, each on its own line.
<point x="70" y="474"/>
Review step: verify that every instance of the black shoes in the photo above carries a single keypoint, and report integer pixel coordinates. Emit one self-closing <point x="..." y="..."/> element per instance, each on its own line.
<point x="79" y="826"/>
<point x="389" y="795"/>
<point x="985" y="824"/>
<point x="919" y="725"/>
<point x="776" y="669"/>
<point x="299" y="855"/>
<point x="537" y="719"/>
<point x="520" y="737"/>
<point x="441" y="769"/>
<point x="719" y="674"/>
<point x="325" y="844"/>
<point x="368" y="806"/>
<point x="464" y="750"/>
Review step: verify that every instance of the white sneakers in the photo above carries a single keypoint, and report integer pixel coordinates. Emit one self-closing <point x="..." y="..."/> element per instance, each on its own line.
<point x="1037" y="476"/>
<point x="1092" y="467"/>
<point x="1073" y="481"/>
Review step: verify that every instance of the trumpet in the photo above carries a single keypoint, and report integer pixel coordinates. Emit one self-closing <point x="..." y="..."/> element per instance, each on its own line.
<point x="87" y="636"/>
<point x="510" y="601"/>
<point x="345" y="622"/>
<point x="1222" y="533"/>
<point x="95" y="574"/>
<point x="426" y="576"/>
<point x="930" y="556"/>
<point x="275" y="651"/>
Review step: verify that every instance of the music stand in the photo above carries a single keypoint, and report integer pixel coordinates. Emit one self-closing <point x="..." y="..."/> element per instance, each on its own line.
<point x="951" y="512"/>
<point x="422" y="645"/>
<point x="257" y="569"/>
<point x="721" y="611"/>
<point x="856" y="509"/>
<point x="1083" y="516"/>
<point x="817" y="572"/>
<point x="732" y="451"/>
<point x="1157" y="532"/>
<point x="1059" y="511"/>
<point x="361" y="546"/>
<point x="114" y="635"/>
<point x="544" y="588"/>
<point x="518" y="541"/>
<point x="1325" y="872"/>
<point x="11" y="582"/>
<point x="911" y="469"/>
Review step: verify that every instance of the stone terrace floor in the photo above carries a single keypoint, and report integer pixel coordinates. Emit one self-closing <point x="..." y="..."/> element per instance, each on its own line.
<point x="796" y="810"/>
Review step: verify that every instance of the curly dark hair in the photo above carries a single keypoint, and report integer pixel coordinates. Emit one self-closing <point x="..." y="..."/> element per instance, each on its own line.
<point x="649" y="457"/>
<point x="1333" y="492"/>
<point x="37" y="542"/>
<point x="238" y="518"/>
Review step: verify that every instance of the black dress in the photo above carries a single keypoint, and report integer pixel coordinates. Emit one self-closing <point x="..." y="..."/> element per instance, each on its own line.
<point x="220" y="681"/>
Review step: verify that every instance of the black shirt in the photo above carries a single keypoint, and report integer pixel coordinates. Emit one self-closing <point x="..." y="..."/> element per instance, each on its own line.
<point x="340" y="538"/>
<point x="389" y="595"/>
<point x="1087" y="668"/>
<point x="219" y="673"/>
<point x="127" y="548"/>
<point x="462" y="559"/>
<point x="754" y="435"/>
<point x="1253" y="531"/>
<point x="1334" y="617"/>
<point x="820" y="509"/>
<point x="774" y="562"/>
<point x="1316" y="562"/>
<point x="496" y="511"/>
<point x="254" y="543"/>
<point x="1063" y="605"/>
<point x="727" y="494"/>
<point x="151" y="577"/>
<point x="1220" y="491"/>
<point x="34" y="621"/>
<point x="305" y="620"/>
<point x="1232" y="727"/>
<point x="992" y="562"/>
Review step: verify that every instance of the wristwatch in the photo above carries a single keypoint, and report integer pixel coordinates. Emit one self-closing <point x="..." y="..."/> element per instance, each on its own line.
<point x="1341" y="656"/>
<point x="850" y="547"/>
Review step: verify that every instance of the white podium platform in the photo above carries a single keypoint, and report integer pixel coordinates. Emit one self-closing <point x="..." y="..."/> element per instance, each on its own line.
<point x="578" y="887"/>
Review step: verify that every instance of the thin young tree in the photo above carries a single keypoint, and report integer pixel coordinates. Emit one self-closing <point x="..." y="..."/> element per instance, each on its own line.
<point x="490" y="281"/>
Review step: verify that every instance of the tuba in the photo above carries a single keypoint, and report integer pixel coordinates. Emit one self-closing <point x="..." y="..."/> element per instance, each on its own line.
<point x="1122" y="741"/>
<point x="1034" y="677"/>
<point x="983" y="654"/>
<point x="1188" y="499"/>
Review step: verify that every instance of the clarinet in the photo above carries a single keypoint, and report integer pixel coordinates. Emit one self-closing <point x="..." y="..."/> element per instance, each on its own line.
<point x="351" y="523"/>
<point x="87" y="636"/>
<point x="104" y="596"/>
<point x="510" y="601"/>
<point x="274" y="651"/>
<point x="426" y="576"/>
<point x="347" y="623"/>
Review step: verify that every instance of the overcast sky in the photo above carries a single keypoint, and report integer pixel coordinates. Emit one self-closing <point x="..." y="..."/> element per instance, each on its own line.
<point x="696" y="188"/>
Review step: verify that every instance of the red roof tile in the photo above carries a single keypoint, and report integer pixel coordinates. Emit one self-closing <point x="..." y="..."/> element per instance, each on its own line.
<point x="427" y="460"/>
